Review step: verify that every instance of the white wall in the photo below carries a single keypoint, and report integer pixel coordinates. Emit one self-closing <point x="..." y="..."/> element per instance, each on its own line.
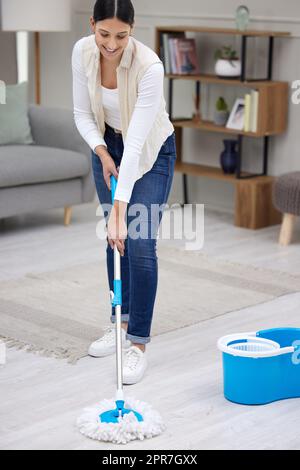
<point x="8" y="60"/>
<point x="198" y="146"/>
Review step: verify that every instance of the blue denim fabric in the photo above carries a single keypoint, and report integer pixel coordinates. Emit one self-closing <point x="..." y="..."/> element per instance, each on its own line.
<point x="139" y="266"/>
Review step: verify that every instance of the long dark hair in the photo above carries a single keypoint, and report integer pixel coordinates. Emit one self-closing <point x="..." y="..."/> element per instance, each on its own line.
<point x="121" y="9"/>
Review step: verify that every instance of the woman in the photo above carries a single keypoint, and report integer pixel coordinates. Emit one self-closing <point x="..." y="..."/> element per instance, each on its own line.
<point x="120" y="111"/>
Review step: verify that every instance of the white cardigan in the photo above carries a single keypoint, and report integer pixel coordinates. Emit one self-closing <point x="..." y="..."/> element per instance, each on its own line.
<point x="143" y="120"/>
<point x="149" y="97"/>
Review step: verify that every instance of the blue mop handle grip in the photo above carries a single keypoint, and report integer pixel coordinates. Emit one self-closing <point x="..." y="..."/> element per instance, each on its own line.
<point x="117" y="298"/>
<point x="113" y="186"/>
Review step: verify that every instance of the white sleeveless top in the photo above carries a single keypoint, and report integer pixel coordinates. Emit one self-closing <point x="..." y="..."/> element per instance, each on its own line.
<point x="110" y="100"/>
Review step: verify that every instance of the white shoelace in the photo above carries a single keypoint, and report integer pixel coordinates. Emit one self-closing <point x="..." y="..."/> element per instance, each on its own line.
<point x="109" y="335"/>
<point x="131" y="359"/>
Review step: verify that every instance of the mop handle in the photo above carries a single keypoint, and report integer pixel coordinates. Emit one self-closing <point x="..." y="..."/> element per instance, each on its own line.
<point x="117" y="302"/>
<point x="113" y="185"/>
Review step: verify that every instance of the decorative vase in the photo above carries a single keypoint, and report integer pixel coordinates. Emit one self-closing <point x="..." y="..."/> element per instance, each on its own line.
<point x="229" y="156"/>
<point x="221" y="117"/>
<point x="228" y="68"/>
<point x="242" y="16"/>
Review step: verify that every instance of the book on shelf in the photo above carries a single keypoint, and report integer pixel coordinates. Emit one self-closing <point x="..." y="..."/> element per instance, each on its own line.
<point x="247" y="112"/>
<point x="254" y="110"/>
<point x="171" y="49"/>
<point x="186" y="56"/>
<point x="179" y="54"/>
<point x="165" y="53"/>
<point x="251" y="111"/>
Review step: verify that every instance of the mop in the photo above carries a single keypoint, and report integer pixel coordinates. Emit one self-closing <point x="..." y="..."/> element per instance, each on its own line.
<point x="118" y="420"/>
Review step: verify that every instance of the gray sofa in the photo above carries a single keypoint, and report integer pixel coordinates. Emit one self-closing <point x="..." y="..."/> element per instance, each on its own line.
<point x="52" y="173"/>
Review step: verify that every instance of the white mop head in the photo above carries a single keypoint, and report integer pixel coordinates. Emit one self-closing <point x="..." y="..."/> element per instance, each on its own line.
<point x="127" y="429"/>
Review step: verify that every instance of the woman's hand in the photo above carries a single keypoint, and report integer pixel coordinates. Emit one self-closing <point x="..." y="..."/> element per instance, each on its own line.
<point x="116" y="226"/>
<point x="109" y="168"/>
<point x="117" y="229"/>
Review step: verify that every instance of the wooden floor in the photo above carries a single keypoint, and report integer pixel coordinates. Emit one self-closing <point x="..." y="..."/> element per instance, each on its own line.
<point x="40" y="398"/>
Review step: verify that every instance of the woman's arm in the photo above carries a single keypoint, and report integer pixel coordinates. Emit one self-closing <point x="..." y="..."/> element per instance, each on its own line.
<point x="83" y="115"/>
<point x="150" y="91"/>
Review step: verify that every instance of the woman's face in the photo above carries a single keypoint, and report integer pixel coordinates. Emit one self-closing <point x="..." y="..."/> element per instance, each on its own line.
<point x="111" y="36"/>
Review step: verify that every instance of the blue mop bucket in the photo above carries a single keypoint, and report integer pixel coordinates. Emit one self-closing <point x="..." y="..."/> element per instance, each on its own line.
<point x="261" y="367"/>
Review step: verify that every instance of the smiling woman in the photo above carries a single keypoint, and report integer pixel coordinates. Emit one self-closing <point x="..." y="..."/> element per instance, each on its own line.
<point x="111" y="36"/>
<point x="120" y="111"/>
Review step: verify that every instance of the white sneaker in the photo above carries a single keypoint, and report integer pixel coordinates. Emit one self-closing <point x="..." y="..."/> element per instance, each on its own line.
<point x="134" y="366"/>
<point x="106" y="345"/>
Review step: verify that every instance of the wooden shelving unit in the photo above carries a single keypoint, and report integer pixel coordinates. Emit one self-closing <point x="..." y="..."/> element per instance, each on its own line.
<point x="230" y="31"/>
<point x="273" y="96"/>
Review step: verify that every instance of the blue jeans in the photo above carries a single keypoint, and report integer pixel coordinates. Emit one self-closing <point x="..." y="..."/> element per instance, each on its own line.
<point x="139" y="267"/>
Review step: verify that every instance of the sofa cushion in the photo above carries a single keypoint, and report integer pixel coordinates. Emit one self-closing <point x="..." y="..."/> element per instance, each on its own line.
<point x="14" y="122"/>
<point x="29" y="164"/>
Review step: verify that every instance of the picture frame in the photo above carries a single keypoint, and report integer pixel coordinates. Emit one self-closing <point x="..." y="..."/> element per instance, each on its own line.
<point x="237" y="116"/>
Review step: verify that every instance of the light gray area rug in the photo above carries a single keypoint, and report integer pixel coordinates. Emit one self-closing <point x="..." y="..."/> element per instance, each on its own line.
<point x="59" y="313"/>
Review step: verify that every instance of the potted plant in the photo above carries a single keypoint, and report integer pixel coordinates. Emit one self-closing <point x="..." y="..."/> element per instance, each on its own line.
<point x="221" y="112"/>
<point x="228" y="64"/>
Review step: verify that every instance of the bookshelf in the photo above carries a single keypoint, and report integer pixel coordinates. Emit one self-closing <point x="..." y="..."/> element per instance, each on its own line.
<point x="253" y="192"/>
